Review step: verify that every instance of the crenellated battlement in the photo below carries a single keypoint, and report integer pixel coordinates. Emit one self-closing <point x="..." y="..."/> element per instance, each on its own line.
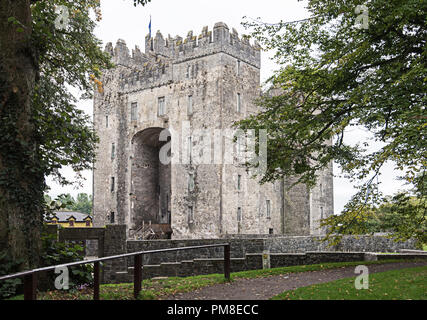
<point x="179" y="49"/>
<point x="140" y="70"/>
<point x="220" y="39"/>
<point x="154" y="67"/>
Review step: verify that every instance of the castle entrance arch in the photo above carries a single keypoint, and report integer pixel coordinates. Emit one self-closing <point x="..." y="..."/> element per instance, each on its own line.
<point x="150" y="181"/>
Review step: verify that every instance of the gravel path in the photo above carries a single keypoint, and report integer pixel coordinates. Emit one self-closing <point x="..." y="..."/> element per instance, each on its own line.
<point x="265" y="288"/>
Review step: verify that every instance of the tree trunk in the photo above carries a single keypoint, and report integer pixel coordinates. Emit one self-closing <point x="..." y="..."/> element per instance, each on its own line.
<point x="21" y="176"/>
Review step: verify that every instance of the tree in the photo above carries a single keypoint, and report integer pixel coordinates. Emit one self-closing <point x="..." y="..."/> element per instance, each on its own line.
<point x="42" y="54"/>
<point x="82" y="203"/>
<point x="402" y="215"/>
<point x="347" y="65"/>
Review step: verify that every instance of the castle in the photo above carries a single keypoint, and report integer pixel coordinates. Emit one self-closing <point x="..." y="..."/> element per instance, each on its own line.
<point x="198" y="84"/>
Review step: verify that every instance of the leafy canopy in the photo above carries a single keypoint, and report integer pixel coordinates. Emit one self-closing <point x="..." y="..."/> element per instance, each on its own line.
<point x="337" y="73"/>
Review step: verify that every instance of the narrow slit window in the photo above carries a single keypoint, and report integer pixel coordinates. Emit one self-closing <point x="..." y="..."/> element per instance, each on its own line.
<point x="113" y="184"/>
<point x="239" y="103"/>
<point x="134" y="111"/>
<point x="190" y="214"/>
<point x="161" y="106"/>
<point x="190" y="148"/>
<point x="112" y="217"/>
<point x="190" y="105"/>
<point x="239" y="182"/>
<point x="191" y="182"/>
<point x="106" y="121"/>
<point x="238" y="67"/>
<point x="268" y="208"/>
<point x="239" y="214"/>
<point x="113" y="151"/>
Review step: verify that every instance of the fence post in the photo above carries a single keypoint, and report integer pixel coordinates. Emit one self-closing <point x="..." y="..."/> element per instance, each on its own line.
<point x="137" y="275"/>
<point x="96" y="281"/>
<point x="227" y="261"/>
<point x="30" y="286"/>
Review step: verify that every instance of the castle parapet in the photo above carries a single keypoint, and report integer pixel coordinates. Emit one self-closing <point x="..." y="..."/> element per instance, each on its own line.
<point x="220" y="39"/>
<point x="154" y="67"/>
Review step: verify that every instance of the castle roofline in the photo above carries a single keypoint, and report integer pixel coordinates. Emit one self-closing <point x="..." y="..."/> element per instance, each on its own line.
<point x="179" y="49"/>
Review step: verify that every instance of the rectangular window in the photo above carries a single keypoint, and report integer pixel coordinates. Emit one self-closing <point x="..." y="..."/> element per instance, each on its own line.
<point x="241" y="148"/>
<point x="87" y="223"/>
<point x="190" y="182"/>
<point x="270" y="231"/>
<point x="113" y="151"/>
<point x="161" y="110"/>
<point x="189" y="148"/>
<point x="112" y="217"/>
<point x="190" y="214"/>
<point x="239" y="214"/>
<point x="268" y="208"/>
<point x="239" y="103"/>
<point x="112" y="184"/>
<point x="239" y="182"/>
<point x="238" y="67"/>
<point x="190" y="105"/>
<point x="134" y="111"/>
<point x="71" y="222"/>
<point x="106" y="121"/>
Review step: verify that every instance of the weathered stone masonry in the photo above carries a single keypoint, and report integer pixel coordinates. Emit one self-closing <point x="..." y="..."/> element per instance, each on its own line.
<point x="247" y="253"/>
<point x="202" y="82"/>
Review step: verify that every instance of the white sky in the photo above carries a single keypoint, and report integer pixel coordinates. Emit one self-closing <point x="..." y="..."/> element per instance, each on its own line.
<point x="121" y="20"/>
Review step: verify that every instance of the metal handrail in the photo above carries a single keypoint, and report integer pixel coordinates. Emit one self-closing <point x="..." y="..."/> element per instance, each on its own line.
<point x="30" y="276"/>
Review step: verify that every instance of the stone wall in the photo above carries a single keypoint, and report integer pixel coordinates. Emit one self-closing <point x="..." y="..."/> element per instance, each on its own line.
<point x="247" y="253"/>
<point x="253" y="261"/>
<point x="347" y="244"/>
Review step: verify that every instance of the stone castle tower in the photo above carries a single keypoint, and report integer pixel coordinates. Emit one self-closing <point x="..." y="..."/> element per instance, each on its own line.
<point x="199" y="84"/>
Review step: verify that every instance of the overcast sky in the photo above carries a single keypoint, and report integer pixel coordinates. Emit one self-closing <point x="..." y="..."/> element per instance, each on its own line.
<point x="121" y="20"/>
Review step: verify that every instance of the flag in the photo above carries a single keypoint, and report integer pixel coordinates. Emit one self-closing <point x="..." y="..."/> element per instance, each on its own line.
<point x="149" y="27"/>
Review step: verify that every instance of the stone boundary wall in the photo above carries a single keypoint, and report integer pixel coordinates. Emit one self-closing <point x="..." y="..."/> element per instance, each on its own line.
<point x="347" y="244"/>
<point x="252" y="261"/>
<point x="247" y="253"/>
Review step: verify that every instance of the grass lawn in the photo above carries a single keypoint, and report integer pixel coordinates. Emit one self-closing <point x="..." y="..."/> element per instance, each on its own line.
<point x="400" y="284"/>
<point x="158" y="288"/>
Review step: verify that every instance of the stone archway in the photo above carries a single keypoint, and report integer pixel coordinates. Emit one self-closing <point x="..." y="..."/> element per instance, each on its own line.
<point x="150" y="181"/>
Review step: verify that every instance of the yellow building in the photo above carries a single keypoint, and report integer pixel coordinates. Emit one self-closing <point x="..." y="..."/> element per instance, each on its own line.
<point x="71" y="219"/>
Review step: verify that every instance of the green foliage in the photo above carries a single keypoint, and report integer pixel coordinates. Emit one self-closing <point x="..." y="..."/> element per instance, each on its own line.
<point x="143" y="2"/>
<point x="335" y="75"/>
<point x="391" y="285"/>
<point x="82" y="203"/>
<point x="69" y="57"/>
<point x="403" y="216"/>
<point x="9" y="287"/>
<point x="153" y="289"/>
<point x="55" y="253"/>
<point x="41" y="130"/>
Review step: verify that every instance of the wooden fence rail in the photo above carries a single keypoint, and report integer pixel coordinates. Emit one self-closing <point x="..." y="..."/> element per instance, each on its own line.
<point x="30" y="276"/>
